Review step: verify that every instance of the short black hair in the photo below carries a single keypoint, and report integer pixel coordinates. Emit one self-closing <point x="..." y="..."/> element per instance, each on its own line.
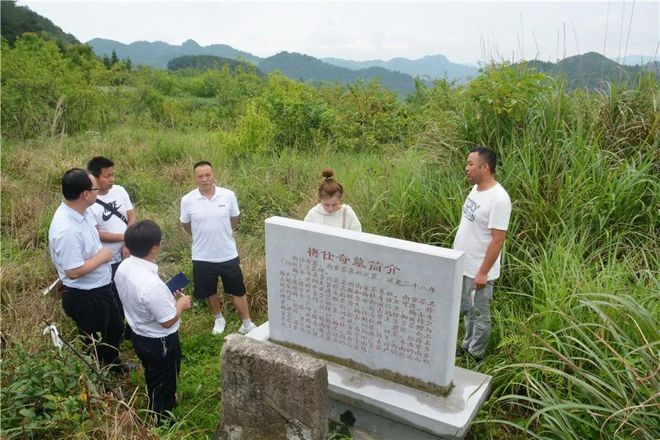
<point x="74" y="182"/>
<point x="488" y="156"/>
<point x="202" y="163"/>
<point x="140" y="237"/>
<point x="97" y="164"/>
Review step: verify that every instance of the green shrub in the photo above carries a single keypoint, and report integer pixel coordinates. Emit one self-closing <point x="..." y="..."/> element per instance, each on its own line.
<point x="44" y="394"/>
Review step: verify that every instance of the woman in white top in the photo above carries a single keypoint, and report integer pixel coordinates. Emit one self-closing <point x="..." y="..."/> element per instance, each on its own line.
<point x="330" y="211"/>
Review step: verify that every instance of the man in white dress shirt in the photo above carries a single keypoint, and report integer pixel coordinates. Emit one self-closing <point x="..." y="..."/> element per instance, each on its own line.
<point x="154" y="315"/>
<point x="83" y="265"/>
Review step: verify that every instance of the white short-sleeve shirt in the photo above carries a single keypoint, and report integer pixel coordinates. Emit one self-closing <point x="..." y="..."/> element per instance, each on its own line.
<point x="146" y="299"/>
<point x="210" y="223"/>
<point x="72" y="239"/>
<point x="482" y="211"/>
<point x="118" y="198"/>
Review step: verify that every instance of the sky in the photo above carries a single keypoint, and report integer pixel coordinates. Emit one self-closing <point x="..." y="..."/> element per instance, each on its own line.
<point x="465" y="32"/>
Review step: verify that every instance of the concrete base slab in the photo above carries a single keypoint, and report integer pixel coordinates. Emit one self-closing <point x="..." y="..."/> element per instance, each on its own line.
<point x="388" y="410"/>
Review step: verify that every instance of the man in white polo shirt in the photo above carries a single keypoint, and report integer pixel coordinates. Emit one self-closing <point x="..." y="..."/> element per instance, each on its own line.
<point x="210" y="214"/>
<point x="83" y="266"/>
<point x="114" y="213"/>
<point x="153" y="314"/>
<point x="481" y="235"/>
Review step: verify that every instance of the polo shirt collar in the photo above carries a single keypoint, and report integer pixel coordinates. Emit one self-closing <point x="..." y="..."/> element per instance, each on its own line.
<point x="141" y="262"/>
<point x="201" y="196"/>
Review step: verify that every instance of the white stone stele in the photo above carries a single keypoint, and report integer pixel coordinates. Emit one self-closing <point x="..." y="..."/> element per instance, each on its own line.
<point x="387" y="410"/>
<point x="389" y="305"/>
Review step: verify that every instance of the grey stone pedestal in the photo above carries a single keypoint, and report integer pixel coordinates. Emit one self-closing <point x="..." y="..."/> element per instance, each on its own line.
<point x="271" y="392"/>
<point x="383" y="409"/>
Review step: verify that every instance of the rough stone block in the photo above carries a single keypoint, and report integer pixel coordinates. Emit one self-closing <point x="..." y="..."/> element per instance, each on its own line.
<point x="271" y="392"/>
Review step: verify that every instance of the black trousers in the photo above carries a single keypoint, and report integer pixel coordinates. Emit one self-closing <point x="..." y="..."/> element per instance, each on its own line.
<point x="161" y="359"/>
<point x="95" y="311"/>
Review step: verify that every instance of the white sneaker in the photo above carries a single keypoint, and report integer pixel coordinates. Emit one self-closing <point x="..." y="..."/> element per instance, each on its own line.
<point x="219" y="326"/>
<point x="245" y="329"/>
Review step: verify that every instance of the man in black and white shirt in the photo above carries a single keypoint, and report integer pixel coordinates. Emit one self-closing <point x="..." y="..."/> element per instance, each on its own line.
<point x="113" y="212"/>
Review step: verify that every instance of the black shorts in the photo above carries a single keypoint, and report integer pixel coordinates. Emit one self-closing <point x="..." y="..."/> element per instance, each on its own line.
<point x="205" y="278"/>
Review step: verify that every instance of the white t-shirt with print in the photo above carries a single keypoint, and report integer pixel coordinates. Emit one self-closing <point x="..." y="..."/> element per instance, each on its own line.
<point x="210" y="223"/>
<point x="482" y="211"/>
<point x="109" y="222"/>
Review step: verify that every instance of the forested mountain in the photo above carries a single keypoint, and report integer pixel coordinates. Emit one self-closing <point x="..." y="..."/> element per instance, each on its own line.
<point x="431" y="66"/>
<point x="310" y="69"/>
<point x="16" y="20"/>
<point x="206" y="62"/>
<point x="294" y="65"/>
<point x="158" y="53"/>
<point x="591" y="70"/>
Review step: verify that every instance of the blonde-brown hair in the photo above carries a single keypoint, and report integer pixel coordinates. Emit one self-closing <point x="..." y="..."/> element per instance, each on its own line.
<point x="329" y="185"/>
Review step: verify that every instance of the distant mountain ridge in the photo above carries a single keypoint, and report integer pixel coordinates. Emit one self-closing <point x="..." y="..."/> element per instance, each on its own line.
<point x="310" y="69"/>
<point x="586" y="70"/>
<point x="430" y="66"/>
<point x="294" y="65"/>
<point x="591" y="70"/>
<point x="158" y="53"/>
<point x="637" y="60"/>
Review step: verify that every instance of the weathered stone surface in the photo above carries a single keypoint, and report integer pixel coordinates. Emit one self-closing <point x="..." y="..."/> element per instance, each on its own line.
<point x="271" y="392"/>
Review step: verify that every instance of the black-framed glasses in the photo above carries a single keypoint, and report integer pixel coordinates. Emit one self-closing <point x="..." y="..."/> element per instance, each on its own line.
<point x="96" y="188"/>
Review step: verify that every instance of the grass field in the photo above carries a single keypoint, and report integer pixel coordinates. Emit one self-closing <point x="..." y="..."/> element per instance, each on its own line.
<point x="575" y="346"/>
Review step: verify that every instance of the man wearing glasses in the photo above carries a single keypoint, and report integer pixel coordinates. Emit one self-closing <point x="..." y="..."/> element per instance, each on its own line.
<point x="83" y="266"/>
<point x="114" y="213"/>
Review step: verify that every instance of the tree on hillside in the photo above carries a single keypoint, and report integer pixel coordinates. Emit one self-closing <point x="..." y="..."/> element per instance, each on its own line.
<point x="207" y="62"/>
<point x="16" y="20"/>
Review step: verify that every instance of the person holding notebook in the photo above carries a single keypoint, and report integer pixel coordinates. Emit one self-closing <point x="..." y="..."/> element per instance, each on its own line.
<point x="153" y="313"/>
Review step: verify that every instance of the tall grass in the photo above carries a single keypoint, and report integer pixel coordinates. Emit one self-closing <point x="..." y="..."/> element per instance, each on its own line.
<point x="574" y="352"/>
<point x="597" y="376"/>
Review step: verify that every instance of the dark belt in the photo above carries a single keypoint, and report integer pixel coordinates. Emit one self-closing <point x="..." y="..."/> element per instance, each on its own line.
<point x="150" y="339"/>
<point x="87" y="291"/>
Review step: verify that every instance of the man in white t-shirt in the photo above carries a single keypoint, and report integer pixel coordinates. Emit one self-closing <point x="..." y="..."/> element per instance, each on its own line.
<point x="210" y="214"/>
<point x="114" y="213"/>
<point x="481" y="236"/>
<point x="154" y="315"/>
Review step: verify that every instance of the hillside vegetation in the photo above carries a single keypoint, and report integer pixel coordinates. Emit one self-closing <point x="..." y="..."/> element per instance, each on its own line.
<point x="16" y="20"/>
<point x="574" y="353"/>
